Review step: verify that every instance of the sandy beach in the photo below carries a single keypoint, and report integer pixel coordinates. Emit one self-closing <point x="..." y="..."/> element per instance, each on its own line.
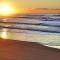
<point x="20" y="50"/>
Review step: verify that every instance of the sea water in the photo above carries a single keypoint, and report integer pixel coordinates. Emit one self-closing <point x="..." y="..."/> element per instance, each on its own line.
<point x="40" y="28"/>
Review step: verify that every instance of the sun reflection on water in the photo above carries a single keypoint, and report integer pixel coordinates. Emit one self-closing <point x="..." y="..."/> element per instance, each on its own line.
<point x="5" y="34"/>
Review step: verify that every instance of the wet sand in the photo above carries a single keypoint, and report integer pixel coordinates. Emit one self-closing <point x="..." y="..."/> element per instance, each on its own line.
<point x="19" y="50"/>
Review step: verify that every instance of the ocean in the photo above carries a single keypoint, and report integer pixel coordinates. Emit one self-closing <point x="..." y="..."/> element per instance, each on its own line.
<point x="41" y="28"/>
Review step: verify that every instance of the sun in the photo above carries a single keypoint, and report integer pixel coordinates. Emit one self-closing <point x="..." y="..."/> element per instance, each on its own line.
<point x="6" y="9"/>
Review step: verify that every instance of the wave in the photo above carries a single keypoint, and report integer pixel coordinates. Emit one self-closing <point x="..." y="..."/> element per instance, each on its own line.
<point x="42" y="23"/>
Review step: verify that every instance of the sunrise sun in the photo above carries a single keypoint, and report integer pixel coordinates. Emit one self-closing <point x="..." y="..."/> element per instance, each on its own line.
<point x="6" y="9"/>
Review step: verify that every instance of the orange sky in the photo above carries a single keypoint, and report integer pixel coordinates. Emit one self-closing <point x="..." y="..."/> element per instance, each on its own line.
<point x="34" y="3"/>
<point x="25" y="6"/>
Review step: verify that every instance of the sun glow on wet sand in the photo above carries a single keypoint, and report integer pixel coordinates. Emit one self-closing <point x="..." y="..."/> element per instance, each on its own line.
<point x="7" y="9"/>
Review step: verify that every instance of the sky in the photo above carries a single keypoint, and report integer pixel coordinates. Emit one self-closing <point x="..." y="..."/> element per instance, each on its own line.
<point x="35" y="3"/>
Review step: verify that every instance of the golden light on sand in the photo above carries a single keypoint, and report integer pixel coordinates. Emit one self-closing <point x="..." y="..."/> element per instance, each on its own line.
<point x="6" y="9"/>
